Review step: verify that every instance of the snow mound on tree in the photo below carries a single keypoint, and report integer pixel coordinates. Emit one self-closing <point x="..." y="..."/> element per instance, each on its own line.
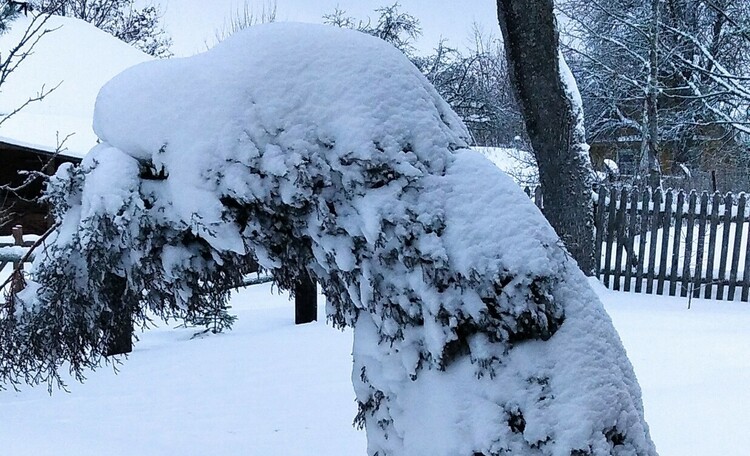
<point x="322" y="151"/>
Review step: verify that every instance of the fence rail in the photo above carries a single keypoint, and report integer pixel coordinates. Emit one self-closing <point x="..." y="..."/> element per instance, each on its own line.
<point x="674" y="243"/>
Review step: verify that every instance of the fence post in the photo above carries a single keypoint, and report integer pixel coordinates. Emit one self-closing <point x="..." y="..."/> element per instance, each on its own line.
<point x="725" y="232"/>
<point x="678" y="215"/>
<point x="710" y="263"/>
<point x="633" y="258"/>
<point x="736" y="247"/>
<point x="702" y="220"/>
<point x="666" y="227"/>
<point x="656" y="199"/>
<point x="599" y="225"/>
<point x="305" y="301"/>
<point x="17" y="282"/>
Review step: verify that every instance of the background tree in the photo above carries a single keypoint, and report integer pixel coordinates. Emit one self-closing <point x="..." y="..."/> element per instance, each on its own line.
<point x="10" y="59"/>
<point x="121" y="18"/>
<point x="242" y="18"/>
<point x="475" y="83"/>
<point x="687" y="58"/>
<point x="552" y="110"/>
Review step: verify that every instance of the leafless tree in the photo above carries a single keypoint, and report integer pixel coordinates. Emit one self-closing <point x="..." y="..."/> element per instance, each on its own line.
<point x="247" y="16"/>
<point x="10" y="60"/>
<point x="13" y="57"/>
<point x="683" y="62"/>
<point x="121" y="18"/>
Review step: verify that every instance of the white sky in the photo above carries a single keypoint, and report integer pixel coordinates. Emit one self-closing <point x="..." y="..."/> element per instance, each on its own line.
<point x="192" y="23"/>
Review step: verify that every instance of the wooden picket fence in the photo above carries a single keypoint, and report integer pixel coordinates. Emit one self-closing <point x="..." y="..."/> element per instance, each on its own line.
<point x="674" y="243"/>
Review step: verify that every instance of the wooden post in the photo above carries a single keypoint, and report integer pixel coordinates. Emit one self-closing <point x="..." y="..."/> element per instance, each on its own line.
<point x="653" y="239"/>
<point x="687" y="260"/>
<point x="305" y="301"/>
<point x="17" y="283"/>
<point x="725" y="232"/>
<point x="713" y="227"/>
<point x="678" y="214"/>
<point x="633" y="259"/>
<point x="702" y="221"/>
<point x="119" y="329"/>
<point x="611" y="238"/>
<point x="599" y="225"/>
<point x="736" y="246"/>
<point x="622" y="242"/>
<point x="665" y="229"/>
<point x="646" y="199"/>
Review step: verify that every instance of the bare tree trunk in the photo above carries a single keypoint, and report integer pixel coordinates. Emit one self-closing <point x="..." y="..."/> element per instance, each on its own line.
<point x="551" y="109"/>
<point x="654" y="170"/>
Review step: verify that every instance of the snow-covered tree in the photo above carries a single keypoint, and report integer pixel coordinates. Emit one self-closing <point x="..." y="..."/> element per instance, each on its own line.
<point x="137" y="26"/>
<point x="324" y="152"/>
<point x="685" y="62"/>
<point x="553" y="113"/>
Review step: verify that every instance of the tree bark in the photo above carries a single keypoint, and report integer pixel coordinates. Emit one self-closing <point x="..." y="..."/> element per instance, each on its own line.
<point x="654" y="170"/>
<point x="550" y="105"/>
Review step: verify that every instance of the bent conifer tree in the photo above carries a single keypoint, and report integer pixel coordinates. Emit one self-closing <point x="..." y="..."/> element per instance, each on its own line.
<point x="323" y="152"/>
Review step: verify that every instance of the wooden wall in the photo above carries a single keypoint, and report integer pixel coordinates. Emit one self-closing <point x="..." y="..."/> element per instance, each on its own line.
<point x="22" y="206"/>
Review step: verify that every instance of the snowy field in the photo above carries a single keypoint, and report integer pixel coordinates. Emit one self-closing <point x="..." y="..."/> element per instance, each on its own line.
<point x="271" y="388"/>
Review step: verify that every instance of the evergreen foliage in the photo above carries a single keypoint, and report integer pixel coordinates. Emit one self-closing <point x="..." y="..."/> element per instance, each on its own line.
<point x="8" y="12"/>
<point x="356" y="175"/>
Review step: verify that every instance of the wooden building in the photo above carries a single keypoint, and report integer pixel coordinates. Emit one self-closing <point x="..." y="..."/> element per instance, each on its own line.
<point x="78" y="59"/>
<point x="22" y="207"/>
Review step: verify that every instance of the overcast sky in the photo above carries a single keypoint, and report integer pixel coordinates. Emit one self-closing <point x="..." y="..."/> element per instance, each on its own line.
<point x="192" y="23"/>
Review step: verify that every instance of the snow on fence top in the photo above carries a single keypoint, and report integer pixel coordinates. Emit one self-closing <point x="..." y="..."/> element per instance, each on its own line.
<point x="322" y="151"/>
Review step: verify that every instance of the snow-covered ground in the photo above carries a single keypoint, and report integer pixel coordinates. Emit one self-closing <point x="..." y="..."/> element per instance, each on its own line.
<point x="271" y="388"/>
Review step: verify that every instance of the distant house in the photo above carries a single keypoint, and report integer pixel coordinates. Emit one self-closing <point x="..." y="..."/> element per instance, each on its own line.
<point x="21" y="207"/>
<point x="81" y="59"/>
<point x="706" y="150"/>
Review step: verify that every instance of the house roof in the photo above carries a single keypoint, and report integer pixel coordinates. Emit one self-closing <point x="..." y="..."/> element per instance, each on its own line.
<point x="79" y="57"/>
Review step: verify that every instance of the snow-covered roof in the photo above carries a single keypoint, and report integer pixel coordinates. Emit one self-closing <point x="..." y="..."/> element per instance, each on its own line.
<point x="79" y="57"/>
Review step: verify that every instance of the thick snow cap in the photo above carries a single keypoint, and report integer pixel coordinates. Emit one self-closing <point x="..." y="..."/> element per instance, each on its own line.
<point x="341" y="85"/>
<point x="325" y="151"/>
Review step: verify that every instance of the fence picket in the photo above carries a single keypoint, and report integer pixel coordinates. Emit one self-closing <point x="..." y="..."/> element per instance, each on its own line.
<point x="653" y="239"/>
<point x="725" y="233"/>
<point x="665" y="227"/>
<point x="687" y="268"/>
<point x="632" y="230"/>
<point x="736" y="246"/>
<point x="611" y="238"/>
<point x="676" y="242"/>
<point x="715" y="203"/>
<point x="620" y="222"/>
<point x="702" y="220"/>
<point x="746" y="273"/>
<point x="599" y="225"/>
<point x="645" y="200"/>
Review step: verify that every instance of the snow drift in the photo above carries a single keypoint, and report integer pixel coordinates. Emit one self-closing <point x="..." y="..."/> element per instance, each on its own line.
<point x="323" y="152"/>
